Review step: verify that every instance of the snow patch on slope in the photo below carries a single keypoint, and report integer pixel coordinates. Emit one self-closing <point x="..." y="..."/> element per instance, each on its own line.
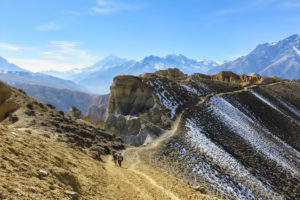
<point x="289" y="107"/>
<point x="297" y="51"/>
<point x="193" y="90"/>
<point x="252" y="132"/>
<point x="266" y="101"/>
<point x="164" y="96"/>
<point x="220" y="157"/>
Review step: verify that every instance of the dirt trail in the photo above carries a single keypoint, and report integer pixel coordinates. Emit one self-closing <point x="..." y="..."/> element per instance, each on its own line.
<point x="143" y="180"/>
<point x="139" y="178"/>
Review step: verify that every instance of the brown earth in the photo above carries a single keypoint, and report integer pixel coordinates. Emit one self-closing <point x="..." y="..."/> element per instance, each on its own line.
<point x="45" y="154"/>
<point x="34" y="166"/>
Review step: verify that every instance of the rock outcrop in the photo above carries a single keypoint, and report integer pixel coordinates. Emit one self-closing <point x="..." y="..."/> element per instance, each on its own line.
<point x="6" y="106"/>
<point x="131" y="102"/>
<point x="75" y="113"/>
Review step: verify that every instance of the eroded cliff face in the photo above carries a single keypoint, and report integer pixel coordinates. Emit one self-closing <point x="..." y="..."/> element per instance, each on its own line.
<point x="133" y="109"/>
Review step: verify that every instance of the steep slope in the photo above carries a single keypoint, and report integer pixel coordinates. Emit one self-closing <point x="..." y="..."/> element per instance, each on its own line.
<point x="238" y="136"/>
<point x="280" y="59"/>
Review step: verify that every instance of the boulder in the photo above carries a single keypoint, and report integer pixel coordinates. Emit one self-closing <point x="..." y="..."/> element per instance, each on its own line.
<point x="75" y="113"/>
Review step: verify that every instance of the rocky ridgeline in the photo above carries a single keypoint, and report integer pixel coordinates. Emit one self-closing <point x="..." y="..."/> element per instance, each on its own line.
<point x="142" y="107"/>
<point x="238" y="135"/>
<point x="20" y="110"/>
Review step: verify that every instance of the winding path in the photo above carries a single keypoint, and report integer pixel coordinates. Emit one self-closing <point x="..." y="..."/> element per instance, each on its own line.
<point x="141" y="179"/>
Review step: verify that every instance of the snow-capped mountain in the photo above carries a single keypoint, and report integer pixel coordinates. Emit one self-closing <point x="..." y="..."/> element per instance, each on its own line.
<point x="188" y="66"/>
<point x="98" y="77"/>
<point x="274" y="58"/>
<point x="6" y="66"/>
<point x="103" y="65"/>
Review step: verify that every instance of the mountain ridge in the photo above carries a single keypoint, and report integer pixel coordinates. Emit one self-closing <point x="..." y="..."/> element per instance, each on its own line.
<point x="280" y="58"/>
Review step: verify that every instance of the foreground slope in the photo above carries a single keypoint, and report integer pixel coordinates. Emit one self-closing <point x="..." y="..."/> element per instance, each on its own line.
<point x="45" y="154"/>
<point x="237" y="135"/>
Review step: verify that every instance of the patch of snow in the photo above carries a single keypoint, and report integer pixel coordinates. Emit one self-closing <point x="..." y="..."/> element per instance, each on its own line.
<point x="148" y="139"/>
<point x="289" y="107"/>
<point x="219" y="156"/>
<point x="266" y="101"/>
<point x="164" y="96"/>
<point x="159" y="66"/>
<point x="246" y="128"/>
<point x="272" y="43"/>
<point x="296" y="50"/>
<point x="216" y="154"/>
<point x="130" y="117"/>
<point x="192" y="90"/>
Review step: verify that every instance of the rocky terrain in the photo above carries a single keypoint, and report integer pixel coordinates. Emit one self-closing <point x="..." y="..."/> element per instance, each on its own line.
<point x="237" y="135"/>
<point x="45" y="154"/>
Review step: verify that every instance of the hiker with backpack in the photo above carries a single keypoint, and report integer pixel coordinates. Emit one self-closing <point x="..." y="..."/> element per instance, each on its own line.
<point x="115" y="157"/>
<point x="120" y="159"/>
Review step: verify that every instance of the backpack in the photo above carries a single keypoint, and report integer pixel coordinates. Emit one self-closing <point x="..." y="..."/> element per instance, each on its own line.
<point x="115" y="156"/>
<point x="120" y="157"/>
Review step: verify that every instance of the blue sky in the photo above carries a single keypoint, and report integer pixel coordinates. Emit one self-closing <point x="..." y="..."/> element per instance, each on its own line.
<point x="63" y="34"/>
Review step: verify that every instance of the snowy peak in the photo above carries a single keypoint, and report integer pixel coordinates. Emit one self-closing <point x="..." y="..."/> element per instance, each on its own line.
<point x="106" y="63"/>
<point x="272" y="58"/>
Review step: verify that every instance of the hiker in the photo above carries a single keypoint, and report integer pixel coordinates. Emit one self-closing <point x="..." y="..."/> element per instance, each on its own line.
<point x="120" y="159"/>
<point x="115" y="157"/>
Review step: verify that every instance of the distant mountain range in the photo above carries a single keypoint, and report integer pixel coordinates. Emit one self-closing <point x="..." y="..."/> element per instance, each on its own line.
<point x="13" y="75"/>
<point x="274" y="58"/>
<point x="98" y="78"/>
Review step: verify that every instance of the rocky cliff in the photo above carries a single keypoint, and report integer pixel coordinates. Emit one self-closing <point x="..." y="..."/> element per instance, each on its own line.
<point x="236" y="134"/>
<point x="98" y="107"/>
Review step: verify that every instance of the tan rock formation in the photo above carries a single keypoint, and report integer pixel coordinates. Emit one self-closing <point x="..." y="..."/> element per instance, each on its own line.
<point x="231" y="77"/>
<point x="129" y="95"/>
<point x="75" y="113"/>
<point x="6" y="106"/>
